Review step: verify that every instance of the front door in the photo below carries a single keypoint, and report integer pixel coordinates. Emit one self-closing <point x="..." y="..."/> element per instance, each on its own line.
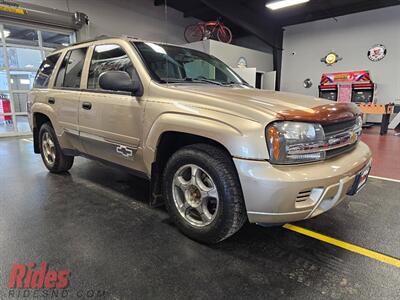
<point x="109" y="121"/>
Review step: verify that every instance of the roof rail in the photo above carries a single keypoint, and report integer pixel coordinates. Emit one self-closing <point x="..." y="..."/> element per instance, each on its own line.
<point x="97" y="38"/>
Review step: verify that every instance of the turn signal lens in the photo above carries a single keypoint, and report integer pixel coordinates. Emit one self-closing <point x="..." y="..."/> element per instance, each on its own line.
<point x="273" y="136"/>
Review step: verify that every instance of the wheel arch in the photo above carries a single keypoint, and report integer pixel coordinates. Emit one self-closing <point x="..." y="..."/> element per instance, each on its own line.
<point x="171" y="141"/>
<point x="172" y="131"/>
<point x="168" y="143"/>
<point x="38" y="119"/>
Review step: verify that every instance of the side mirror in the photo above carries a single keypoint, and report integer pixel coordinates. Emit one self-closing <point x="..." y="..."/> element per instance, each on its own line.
<point x="118" y="81"/>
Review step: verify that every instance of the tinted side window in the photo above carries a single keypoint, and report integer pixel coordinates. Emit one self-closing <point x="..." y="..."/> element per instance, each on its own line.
<point x="109" y="58"/>
<point x="45" y="70"/>
<point x="70" y="72"/>
<point x="61" y="71"/>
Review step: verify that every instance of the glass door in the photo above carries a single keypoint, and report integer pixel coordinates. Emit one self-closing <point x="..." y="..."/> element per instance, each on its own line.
<point x="22" y="49"/>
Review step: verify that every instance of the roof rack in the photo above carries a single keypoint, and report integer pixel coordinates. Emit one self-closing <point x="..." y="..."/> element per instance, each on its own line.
<point x="97" y="38"/>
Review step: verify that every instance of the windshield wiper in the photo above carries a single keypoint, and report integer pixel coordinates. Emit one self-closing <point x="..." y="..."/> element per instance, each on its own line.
<point x="203" y="80"/>
<point x="235" y="83"/>
<point x="190" y="80"/>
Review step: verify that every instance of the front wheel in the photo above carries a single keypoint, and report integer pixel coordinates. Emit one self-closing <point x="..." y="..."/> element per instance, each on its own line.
<point x="203" y="194"/>
<point x="52" y="156"/>
<point x="224" y="34"/>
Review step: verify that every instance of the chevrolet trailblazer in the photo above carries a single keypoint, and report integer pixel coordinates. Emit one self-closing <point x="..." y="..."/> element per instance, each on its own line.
<point x="217" y="152"/>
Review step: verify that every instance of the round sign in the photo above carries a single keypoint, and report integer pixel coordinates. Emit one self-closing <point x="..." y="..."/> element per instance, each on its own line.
<point x="377" y="52"/>
<point x="331" y="58"/>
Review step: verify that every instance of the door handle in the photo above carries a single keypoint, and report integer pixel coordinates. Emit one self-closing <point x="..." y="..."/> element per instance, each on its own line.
<point x="87" y="105"/>
<point x="51" y="100"/>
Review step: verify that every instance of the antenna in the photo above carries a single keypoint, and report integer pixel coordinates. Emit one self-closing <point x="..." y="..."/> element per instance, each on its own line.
<point x="166" y="36"/>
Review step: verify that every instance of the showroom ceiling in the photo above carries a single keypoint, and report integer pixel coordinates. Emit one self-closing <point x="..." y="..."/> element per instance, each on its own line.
<point x="252" y="17"/>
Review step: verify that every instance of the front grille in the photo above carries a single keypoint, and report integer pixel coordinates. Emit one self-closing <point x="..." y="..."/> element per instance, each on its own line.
<point x="338" y="129"/>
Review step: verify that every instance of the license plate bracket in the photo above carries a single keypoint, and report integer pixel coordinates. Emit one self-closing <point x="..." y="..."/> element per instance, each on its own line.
<point x="359" y="181"/>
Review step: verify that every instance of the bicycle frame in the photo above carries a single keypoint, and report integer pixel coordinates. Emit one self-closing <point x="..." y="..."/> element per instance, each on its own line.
<point x="211" y="27"/>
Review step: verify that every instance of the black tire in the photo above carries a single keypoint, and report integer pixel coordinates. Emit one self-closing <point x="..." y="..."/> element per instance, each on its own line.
<point x="62" y="162"/>
<point x="231" y="214"/>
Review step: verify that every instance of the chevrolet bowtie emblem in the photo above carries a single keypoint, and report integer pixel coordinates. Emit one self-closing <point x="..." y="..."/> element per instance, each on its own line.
<point x="124" y="151"/>
<point x="353" y="137"/>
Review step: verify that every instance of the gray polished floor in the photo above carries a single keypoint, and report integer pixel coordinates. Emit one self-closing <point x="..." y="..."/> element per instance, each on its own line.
<point x="95" y="222"/>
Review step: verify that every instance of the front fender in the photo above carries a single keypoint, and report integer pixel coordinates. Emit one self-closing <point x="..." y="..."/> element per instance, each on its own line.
<point x="241" y="137"/>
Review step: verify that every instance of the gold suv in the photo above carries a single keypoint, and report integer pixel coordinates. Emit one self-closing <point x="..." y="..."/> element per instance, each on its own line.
<point x="216" y="151"/>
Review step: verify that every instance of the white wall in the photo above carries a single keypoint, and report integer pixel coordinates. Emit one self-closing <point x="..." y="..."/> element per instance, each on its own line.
<point x="252" y="42"/>
<point x="350" y="37"/>
<point x="138" y="18"/>
<point x="230" y="54"/>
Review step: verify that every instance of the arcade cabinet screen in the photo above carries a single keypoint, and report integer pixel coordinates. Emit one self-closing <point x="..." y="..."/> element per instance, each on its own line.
<point x="330" y="95"/>
<point x="364" y="96"/>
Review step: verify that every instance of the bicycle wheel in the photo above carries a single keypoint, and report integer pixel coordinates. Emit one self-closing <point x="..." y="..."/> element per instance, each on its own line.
<point x="224" y="34"/>
<point x="194" y="33"/>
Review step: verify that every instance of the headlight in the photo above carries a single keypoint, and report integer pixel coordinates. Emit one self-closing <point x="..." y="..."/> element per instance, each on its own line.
<point x="288" y="142"/>
<point x="298" y="142"/>
<point x="358" y="125"/>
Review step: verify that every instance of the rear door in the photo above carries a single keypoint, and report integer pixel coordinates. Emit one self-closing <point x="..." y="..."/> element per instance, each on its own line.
<point x="110" y="122"/>
<point x="66" y="93"/>
<point x="41" y="92"/>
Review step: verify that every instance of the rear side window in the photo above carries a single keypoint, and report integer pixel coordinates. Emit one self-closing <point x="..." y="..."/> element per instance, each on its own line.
<point x="109" y="58"/>
<point x="70" y="72"/>
<point x="45" y="70"/>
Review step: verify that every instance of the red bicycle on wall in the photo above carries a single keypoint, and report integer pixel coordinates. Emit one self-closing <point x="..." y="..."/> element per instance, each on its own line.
<point x="208" y="30"/>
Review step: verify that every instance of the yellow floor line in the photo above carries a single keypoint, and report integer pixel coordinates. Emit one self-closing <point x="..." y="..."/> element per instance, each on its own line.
<point x="338" y="243"/>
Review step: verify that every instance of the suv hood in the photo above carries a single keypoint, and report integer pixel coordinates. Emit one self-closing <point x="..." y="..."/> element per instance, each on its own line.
<point x="285" y="106"/>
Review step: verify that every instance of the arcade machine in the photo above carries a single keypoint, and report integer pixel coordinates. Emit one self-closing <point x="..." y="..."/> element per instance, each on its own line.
<point x="355" y="86"/>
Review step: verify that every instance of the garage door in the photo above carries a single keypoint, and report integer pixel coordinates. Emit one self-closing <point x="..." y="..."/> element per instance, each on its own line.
<point x="23" y="47"/>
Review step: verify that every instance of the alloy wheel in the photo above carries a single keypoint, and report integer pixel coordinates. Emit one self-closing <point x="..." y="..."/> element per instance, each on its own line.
<point x="48" y="149"/>
<point x="195" y="195"/>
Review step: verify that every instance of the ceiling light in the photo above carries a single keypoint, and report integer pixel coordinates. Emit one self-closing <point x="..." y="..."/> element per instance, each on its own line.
<point x="6" y="33"/>
<point x="284" y="3"/>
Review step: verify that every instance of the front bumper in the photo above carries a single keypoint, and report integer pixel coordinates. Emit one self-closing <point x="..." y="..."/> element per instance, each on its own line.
<point x="278" y="194"/>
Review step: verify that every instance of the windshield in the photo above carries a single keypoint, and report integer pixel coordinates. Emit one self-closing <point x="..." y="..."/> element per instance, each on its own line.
<point x="181" y="65"/>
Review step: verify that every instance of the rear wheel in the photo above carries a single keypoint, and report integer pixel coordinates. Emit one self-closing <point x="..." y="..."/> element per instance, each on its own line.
<point x="194" y="33"/>
<point x="203" y="193"/>
<point x="52" y="156"/>
<point x="224" y="34"/>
